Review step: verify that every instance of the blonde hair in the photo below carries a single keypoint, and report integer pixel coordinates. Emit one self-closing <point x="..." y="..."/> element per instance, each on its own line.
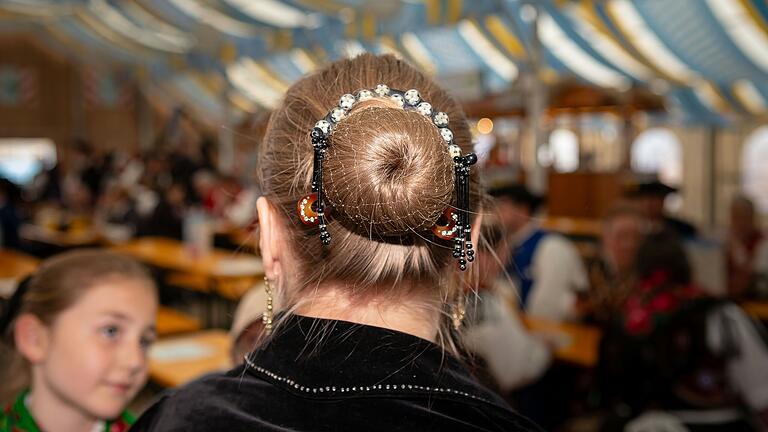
<point x="387" y="174"/>
<point x="58" y="284"/>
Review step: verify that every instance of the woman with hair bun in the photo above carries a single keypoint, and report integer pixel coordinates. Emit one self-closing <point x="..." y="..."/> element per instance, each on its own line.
<point x="367" y="226"/>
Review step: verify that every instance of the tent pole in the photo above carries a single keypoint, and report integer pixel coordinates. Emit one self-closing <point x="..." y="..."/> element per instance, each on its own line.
<point x="537" y="181"/>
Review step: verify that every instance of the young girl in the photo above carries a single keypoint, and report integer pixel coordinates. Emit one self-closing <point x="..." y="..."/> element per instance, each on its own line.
<point x="79" y="330"/>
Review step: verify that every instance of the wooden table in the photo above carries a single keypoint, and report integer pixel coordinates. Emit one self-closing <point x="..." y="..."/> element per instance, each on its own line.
<point x="16" y="265"/>
<point x="575" y="343"/>
<point x="171" y="254"/>
<point x="171" y="321"/>
<point x="176" y="361"/>
<point x="64" y="239"/>
<point x="573" y="227"/>
<point x="13" y="267"/>
<point x="757" y="309"/>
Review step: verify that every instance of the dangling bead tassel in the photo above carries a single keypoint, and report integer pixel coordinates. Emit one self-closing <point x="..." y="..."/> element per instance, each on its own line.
<point x="462" y="244"/>
<point x="325" y="237"/>
<point x="469" y="160"/>
<point x="320" y="143"/>
<point x="457" y="243"/>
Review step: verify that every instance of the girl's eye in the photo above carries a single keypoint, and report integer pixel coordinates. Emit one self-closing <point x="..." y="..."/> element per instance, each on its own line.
<point x="110" y="332"/>
<point x="146" y="342"/>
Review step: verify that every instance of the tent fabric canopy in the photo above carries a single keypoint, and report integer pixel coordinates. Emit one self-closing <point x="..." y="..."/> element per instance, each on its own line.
<point x="708" y="57"/>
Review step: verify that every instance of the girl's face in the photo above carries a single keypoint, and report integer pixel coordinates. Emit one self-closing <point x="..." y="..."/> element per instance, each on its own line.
<point x="96" y="358"/>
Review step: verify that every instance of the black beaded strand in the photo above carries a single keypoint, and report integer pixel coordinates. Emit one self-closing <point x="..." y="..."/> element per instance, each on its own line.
<point x="320" y="144"/>
<point x="469" y="160"/>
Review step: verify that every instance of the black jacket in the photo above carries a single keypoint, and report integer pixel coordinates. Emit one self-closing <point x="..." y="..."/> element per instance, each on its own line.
<point x="322" y="375"/>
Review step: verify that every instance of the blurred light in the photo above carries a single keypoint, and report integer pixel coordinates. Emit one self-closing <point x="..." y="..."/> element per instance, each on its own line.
<point x="21" y="159"/>
<point x="754" y="157"/>
<point x="482" y="147"/>
<point x="485" y="125"/>
<point x="658" y="151"/>
<point x="564" y="150"/>
<point x="528" y="13"/>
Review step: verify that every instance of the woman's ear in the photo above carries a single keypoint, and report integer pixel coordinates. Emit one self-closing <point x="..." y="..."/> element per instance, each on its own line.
<point x="270" y="238"/>
<point x="31" y="337"/>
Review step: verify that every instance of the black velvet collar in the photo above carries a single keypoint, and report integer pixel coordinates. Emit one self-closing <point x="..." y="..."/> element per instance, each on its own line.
<point x="329" y="359"/>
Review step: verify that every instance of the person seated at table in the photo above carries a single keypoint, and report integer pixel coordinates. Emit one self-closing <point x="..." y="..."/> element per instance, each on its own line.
<point x="116" y="212"/>
<point x="547" y="268"/>
<point x="10" y="217"/>
<point x="78" y="331"/>
<point x="651" y="197"/>
<point x="677" y="355"/>
<point x="611" y="272"/>
<point x="371" y="266"/>
<point x="248" y="323"/>
<point x="511" y="355"/>
<point x="744" y="242"/>
<point x="167" y="219"/>
<point x="238" y="208"/>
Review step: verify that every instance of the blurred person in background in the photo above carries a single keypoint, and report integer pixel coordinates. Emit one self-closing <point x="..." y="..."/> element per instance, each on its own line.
<point x="167" y="219"/>
<point x="744" y="242"/>
<point x="677" y="357"/>
<point x="651" y="197"/>
<point x="510" y="354"/>
<point x="611" y="272"/>
<point x="547" y="268"/>
<point x="10" y="219"/>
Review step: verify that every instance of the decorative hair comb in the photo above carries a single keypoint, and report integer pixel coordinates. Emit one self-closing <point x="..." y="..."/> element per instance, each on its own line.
<point x="453" y="224"/>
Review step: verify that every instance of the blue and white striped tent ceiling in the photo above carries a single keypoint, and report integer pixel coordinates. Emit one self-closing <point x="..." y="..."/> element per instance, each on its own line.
<point x="709" y="57"/>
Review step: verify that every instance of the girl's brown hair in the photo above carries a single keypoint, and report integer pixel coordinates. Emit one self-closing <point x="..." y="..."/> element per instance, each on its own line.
<point x="56" y="285"/>
<point x="387" y="174"/>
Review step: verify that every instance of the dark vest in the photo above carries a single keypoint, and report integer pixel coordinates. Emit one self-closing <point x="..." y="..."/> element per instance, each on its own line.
<point x="521" y="264"/>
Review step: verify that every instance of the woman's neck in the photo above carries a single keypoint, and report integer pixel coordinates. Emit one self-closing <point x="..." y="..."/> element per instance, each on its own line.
<point x="52" y="413"/>
<point x="413" y="315"/>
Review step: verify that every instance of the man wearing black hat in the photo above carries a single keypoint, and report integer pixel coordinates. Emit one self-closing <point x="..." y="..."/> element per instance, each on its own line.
<point x="651" y="196"/>
<point x="547" y="266"/>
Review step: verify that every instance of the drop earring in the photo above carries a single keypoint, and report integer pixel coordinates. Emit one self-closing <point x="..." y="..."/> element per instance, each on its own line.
<point x="267" y="315"/>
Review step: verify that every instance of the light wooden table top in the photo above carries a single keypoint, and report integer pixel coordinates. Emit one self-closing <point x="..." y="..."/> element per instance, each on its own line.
<point x="757" y="309"/>
<point x="179" y="360"/>
<point x="171" y="254"/>
<point x="16" y="265"/>
<point x="171" y="321"/>
<point x="71" y="238"/>
<point x="579" y="227"/>
<point x="575" y="343"/>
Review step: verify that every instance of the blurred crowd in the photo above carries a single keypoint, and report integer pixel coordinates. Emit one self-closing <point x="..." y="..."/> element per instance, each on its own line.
<point x="121" y="195"/>
<point x="674" y="345"/>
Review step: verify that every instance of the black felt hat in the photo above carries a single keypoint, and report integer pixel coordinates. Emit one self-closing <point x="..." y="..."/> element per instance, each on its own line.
<point x="518" y="193"/>
<point x="651" y="188"/>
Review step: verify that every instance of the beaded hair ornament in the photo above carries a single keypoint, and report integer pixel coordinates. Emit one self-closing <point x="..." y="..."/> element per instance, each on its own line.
<point x="452" y="225"/>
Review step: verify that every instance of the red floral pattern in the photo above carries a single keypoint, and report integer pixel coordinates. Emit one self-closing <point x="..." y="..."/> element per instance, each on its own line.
<point x="655" y="300"/>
